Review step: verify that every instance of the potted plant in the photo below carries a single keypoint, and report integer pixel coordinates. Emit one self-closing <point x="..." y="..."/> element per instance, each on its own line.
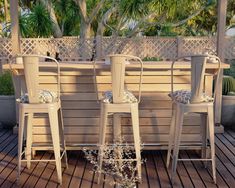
<point x="7" y="100"/>
<point x="119" y="163"/>
<point x="228" y="102"/>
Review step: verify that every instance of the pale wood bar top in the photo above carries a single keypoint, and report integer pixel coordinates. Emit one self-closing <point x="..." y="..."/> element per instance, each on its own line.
<point x="102" y="65"/>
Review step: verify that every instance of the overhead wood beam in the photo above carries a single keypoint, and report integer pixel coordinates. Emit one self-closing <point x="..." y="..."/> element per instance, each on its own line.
<point x="221" y="12"/>
<point x="15" y="36"/>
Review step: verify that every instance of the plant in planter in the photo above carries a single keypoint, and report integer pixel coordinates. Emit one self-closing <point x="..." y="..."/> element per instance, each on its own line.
<point x="118" y="163"/>
<point x="7" y="100"/>
<point x="228" y="102"/>
<point x="147" y="58"/>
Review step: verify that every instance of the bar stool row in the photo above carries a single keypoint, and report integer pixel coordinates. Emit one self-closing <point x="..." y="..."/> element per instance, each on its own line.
<point x="116" y="102"/>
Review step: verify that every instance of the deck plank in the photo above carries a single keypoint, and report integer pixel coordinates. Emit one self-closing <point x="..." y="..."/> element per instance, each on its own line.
<point x="160" y="167"/>
<point x="154" y="172"/>
<point x="201" y="170"/>
<point x="194" y="176"/>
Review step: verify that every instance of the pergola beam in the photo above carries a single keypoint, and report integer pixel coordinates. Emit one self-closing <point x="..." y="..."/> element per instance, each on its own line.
<point x="15" y="35"/>
<point x="221" y="24"/>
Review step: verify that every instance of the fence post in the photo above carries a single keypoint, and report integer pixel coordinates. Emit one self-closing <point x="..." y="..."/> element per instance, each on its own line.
<point x="222" y="9"/>
<point x="179" y="41"/>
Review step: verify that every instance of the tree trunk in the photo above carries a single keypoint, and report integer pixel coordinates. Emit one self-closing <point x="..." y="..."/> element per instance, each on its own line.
<point x="85" y="30"/>
<point x="57" y="33"/>
<point x="85" y="27"/>
<point x="7" y="16"/>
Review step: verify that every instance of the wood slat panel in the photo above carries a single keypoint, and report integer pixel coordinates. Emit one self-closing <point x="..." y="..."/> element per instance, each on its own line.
<point x="125" y="121"/>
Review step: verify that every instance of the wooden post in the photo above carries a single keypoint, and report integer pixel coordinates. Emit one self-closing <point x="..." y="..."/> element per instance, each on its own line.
<point x="222" y="9"/>
<point x="15" y="27"/>
<point x="15" y="40"/>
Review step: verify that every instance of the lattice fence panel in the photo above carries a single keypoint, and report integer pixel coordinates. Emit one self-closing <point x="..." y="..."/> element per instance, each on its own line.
<point x="72" y="48"/>
<point x="196" y="45"/>
<point x="5" y="47"/>
<point x="111" y="45"/>
<point x="163" y="47"/>
<point x="69" y="48"/>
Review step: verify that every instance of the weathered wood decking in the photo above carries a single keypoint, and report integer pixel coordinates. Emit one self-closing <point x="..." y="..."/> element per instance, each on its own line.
<point x="155" y="174"/>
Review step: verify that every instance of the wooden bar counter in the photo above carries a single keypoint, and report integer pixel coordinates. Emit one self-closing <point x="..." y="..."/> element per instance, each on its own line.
<point x="81" y="109"/>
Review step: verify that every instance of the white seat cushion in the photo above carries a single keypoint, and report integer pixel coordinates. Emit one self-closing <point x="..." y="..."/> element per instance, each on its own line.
<point x="184" y="96"/>
<point x="127" y="98"/>
<point x="44" y="96"/>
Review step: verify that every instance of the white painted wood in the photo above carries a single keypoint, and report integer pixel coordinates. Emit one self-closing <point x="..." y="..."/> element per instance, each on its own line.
<point x="29" y="141"/>
<point x="196" y="105"/>
<point x="31" y="73"/>
<point x="118" y="63"/>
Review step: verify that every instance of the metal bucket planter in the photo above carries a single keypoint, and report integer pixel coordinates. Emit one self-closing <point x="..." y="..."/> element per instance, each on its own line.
<point x="228" y="111"/>
<point x="7" y="110"/>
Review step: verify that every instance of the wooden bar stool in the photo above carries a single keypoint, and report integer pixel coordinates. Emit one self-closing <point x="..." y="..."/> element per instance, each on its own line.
<point x="40" y="101"/>
<point x="194" y="101"/>
<point x="119" y="101"/>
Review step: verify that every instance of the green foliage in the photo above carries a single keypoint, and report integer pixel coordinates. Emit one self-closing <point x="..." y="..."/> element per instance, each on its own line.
<point x="67" y="13"/>
<point x="228" y="85"/>
<point x="37" y="23"/>
<point x="231" y="70"/>
<point x="6" y="84"/>
<point x="152" y="59"/>
<point x="40" y="22"/>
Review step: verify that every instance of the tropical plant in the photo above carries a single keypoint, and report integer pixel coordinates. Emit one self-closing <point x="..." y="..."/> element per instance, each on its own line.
<point x="37" y="22"/>
<point x="228" y="85"/>
<point x="6" y="84"/>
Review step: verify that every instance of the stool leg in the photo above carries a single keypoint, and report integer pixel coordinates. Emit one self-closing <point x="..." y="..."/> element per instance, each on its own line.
<point x="28" y="151"/>
<point x="53" y="117"/>
<point x="136" y="133"/>
<point x="178" y="130"/>
<point x="212" y="139"/>
<point x="103" y="124"/>
<point x="171" y="135"/>
<point x="20" y="137"/>
<point x="203" y="127"/>
<point x="62" y="137"/>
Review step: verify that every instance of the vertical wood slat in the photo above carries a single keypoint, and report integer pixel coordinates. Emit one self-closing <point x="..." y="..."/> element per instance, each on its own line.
<point x="222" y="9"/>
<point x="15" y="39"/>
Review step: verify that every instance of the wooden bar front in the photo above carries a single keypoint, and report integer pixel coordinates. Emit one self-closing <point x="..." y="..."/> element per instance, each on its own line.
<point x="81" y="108"/>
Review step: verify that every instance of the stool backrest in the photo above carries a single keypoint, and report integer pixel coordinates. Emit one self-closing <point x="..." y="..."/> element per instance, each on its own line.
<point x="31" y="73"/>
<point x="198" y="68"/>
<point x="118" y="67"/>
<point x="198" y="65"/>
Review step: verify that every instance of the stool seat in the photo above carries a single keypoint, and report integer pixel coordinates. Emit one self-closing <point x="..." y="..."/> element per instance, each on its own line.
<point x="128" y="97"/>
<point x="184" y="96"/>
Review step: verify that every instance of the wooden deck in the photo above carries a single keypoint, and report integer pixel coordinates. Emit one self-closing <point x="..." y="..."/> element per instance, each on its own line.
<point x="155" y="174"/>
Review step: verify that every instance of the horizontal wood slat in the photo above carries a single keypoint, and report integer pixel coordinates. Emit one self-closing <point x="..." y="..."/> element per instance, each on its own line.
<point x="81" y="109"/>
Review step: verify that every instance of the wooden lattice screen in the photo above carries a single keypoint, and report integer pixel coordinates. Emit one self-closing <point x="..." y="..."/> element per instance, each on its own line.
<point x="72" y="48"/>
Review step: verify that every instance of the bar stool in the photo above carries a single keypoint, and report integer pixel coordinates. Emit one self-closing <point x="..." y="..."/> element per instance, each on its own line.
<point x="119" y="101"/>
<point x="40" y="101"/>
<point x="194" y="101"/>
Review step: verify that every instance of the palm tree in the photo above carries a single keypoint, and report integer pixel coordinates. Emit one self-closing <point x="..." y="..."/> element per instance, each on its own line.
<point x="39" y="22"/>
